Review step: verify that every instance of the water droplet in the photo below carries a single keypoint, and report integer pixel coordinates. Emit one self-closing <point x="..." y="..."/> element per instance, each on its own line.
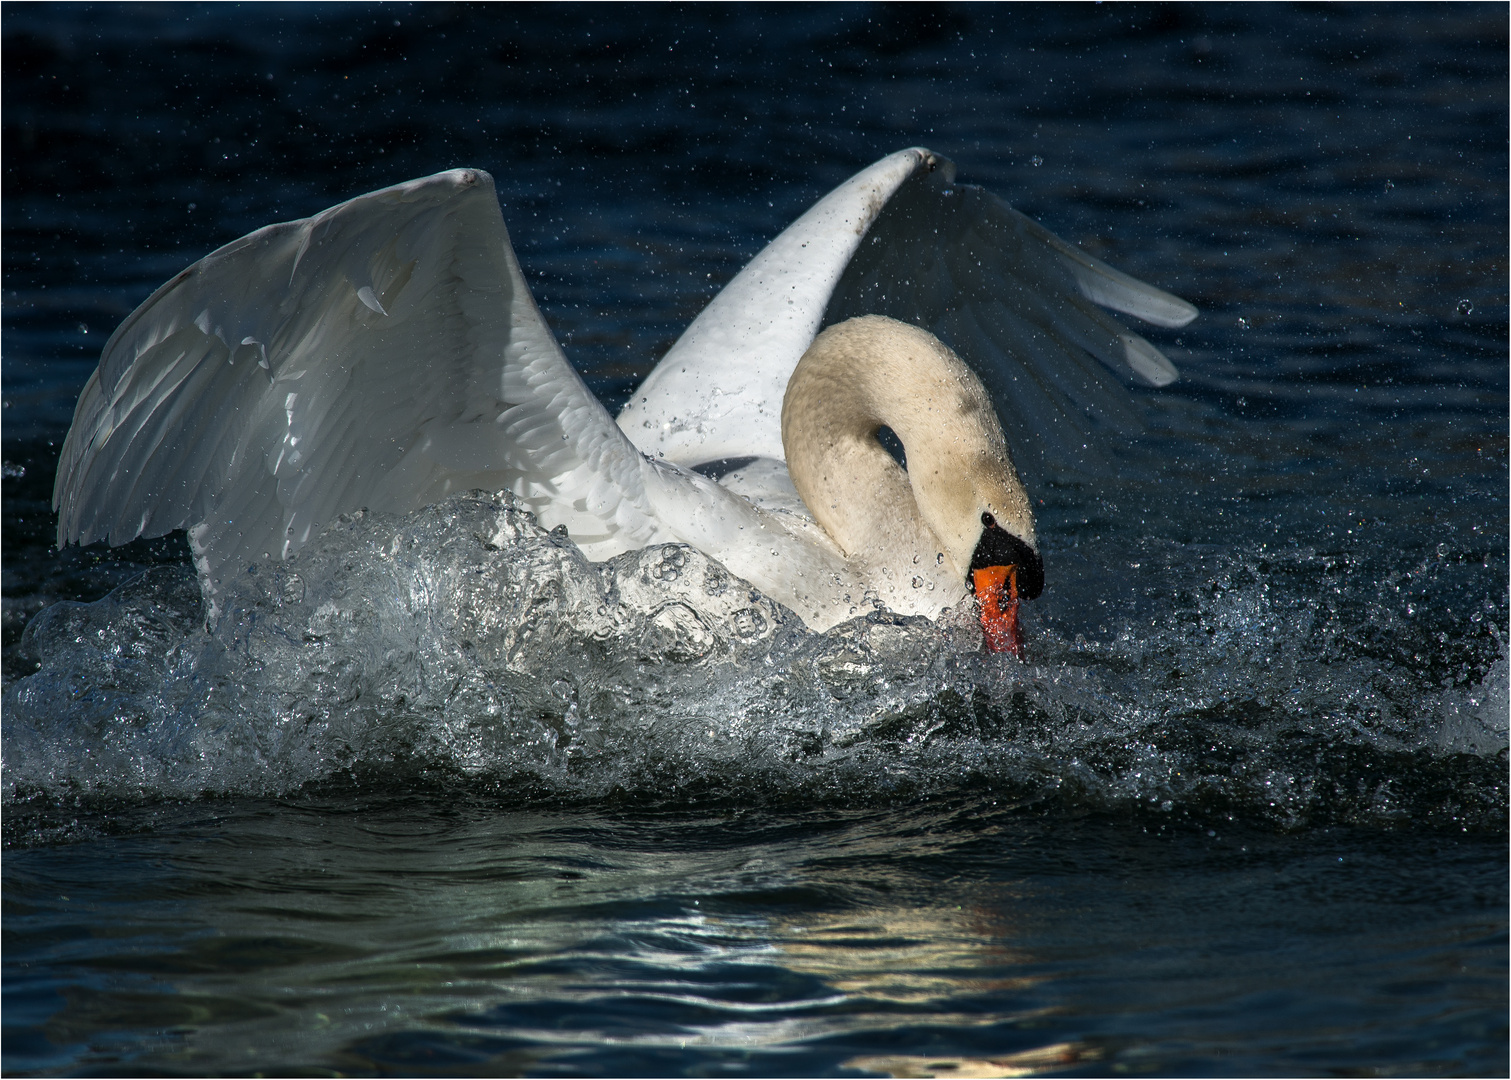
<point x="673" y="558"/>
<point x="1465" y="307"/>
<point x="749" y="622"/>
<point x="918" y="583"/>
<point x="1036" y="161"/>
<point x="1243" y="324"/>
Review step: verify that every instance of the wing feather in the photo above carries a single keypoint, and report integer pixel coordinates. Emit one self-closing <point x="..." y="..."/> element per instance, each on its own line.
<point x="1020" y="306"/>
<point x="902" y="239"/>
<point x="379" y="354"/>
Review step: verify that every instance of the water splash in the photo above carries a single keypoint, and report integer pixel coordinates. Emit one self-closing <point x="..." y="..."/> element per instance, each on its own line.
<point x="463" y="645"/>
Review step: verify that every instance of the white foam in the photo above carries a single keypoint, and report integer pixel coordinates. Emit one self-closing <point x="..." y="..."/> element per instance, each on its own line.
<point x="464" y="641"/>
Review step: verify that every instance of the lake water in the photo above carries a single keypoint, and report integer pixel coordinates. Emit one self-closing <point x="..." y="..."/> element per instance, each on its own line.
<point x="1242" y="807"/>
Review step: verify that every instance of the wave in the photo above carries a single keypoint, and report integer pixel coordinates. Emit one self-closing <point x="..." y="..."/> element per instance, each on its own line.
<point x="466" y="648"/>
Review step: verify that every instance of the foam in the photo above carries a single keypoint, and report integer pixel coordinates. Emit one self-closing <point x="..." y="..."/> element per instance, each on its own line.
<point x="465" y="645"/>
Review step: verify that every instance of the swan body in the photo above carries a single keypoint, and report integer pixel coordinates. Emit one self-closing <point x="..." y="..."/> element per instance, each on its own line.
<point x="387" y="352"/>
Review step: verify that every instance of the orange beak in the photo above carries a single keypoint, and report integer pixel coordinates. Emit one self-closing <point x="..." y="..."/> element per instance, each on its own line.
<point x="997" y="593"/>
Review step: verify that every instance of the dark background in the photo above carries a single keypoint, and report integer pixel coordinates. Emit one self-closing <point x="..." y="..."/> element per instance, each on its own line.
<point x="1212" y="148"/>
<point x="1328" y="185"/>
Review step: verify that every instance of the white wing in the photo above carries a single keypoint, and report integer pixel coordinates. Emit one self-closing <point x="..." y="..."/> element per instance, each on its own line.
<point x="379" y="354"/>
<point x="902" y="239"/>
<point x="717" y="393"/>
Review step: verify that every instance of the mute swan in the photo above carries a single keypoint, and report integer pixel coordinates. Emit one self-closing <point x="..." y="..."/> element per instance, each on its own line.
<point x="387" y="351"/>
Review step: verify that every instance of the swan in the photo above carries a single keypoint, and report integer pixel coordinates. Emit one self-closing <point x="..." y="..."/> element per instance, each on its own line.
<point x="387" y="352"/>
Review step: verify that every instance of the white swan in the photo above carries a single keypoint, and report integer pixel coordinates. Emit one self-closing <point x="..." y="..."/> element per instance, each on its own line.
<point x="387" y="351"/>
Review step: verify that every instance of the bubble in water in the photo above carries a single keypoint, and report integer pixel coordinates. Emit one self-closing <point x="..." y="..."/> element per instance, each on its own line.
<point x="1036" y="161"/>
<point x="673" y="559"/>
<point x="1465" y="307"/>
<point x="749" y="622"/>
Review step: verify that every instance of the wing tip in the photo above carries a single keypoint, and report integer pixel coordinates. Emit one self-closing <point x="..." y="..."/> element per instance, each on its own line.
<point x="448" y="182"/>
<point x="465" y="177"/>
<point x="1183" y="312"/>
<point x="1148" y="362"/>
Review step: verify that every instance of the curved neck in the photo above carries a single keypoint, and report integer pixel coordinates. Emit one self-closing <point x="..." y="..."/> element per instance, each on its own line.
<point x="865" y="373"/>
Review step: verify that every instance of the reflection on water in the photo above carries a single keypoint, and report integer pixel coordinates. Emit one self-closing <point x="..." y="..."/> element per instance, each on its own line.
<point x="913" y="956"/>
<point x="402" y="935"/>
<point x="1053" y="1058"/>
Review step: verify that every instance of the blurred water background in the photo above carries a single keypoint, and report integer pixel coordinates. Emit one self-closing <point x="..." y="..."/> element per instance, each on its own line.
<point x="1242" y="810"/>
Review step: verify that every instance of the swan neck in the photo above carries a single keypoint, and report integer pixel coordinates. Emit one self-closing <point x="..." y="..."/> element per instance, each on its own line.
<point x="871" y="372"/>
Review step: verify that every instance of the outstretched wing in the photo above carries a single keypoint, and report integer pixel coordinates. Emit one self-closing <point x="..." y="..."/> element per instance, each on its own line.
<point x="379" y="354"/>
<point x="717" y="393"/>
<point x="1020" y="305"/>
<point x="902" y="239"/>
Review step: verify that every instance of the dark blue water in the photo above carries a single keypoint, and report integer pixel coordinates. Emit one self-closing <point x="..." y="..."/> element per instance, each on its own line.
<point x="1241" y="811"/>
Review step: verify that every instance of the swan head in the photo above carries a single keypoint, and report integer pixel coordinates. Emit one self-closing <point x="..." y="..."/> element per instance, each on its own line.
<point x="959" y="501"/>
<point x="969" y="494"/>
<point x="1004" y="568"/>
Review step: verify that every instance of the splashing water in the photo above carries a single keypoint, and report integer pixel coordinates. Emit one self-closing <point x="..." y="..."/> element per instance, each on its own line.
<point x="465" y="645"/>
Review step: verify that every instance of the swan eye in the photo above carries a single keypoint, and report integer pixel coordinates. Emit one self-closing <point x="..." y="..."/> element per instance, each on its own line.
<point x="987" y="519"/>
<point x="892" y="445"/>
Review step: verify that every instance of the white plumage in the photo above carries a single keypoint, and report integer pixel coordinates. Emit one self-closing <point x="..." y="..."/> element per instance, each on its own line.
<point x="387" y="351"/>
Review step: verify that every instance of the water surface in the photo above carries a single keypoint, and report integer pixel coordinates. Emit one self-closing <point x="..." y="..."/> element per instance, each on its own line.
<point x="1242" y="809"/>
